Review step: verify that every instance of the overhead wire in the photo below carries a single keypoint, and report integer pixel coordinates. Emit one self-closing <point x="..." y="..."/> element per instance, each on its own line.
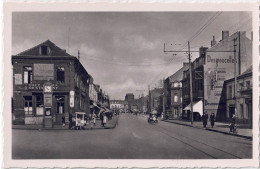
<point x="192" y="38"/>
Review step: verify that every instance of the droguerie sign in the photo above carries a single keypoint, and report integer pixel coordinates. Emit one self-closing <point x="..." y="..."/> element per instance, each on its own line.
<point x="220" y="60"/>
<point x="43" y="71"/>
<point x="218" y="68"/>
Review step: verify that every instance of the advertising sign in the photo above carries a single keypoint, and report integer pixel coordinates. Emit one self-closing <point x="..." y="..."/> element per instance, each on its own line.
<point x="43" y="71"/>
<point x="219" y="67"/>
<point x="48" y="100"/>
<point x="18" y="80"/>
<point x="72" y="93"/>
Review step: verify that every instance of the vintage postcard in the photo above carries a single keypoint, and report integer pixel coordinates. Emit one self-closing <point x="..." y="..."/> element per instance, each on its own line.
<point x="131" y="85"/>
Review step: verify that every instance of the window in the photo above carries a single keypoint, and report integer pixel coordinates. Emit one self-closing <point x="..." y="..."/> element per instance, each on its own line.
<point x="242" y="111"/>
<point x="241" y="86"/>
<point x="248" y="84"/>
<point x="60" y="75"/>
<point x="82" y="102"/>
<point x="175" y="84"/>
<point x="60" y="104"/>
<point x="27" y="74"/>
<point x="175" y="99"/>
<point x="45" y="50"/>
<point x="28" y="108"/>
<point x="39" y="104"/>
<point x="229" y="92"/>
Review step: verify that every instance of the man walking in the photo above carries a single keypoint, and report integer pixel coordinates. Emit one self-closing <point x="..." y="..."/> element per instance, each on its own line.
<point x="212" y="119"/>
<point x="205" y="119"/>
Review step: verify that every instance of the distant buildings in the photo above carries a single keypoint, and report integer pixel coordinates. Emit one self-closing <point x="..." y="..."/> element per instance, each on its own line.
<point x="120" y="105"/>
<point x="173" y="93"/>
<point x="155" y="101"/>
<point x="130" y="99"/>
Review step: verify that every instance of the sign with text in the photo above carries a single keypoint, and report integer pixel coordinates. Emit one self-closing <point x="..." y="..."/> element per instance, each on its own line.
<point x="48" y="100"/>
<point x="38" y="86"/>
<point x="72" y="93"/>
<point x="43" y="71"/>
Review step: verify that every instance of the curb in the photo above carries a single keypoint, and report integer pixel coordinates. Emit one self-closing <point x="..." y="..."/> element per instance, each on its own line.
<point x="100" y="128"/>
<point x="209" y="129"/>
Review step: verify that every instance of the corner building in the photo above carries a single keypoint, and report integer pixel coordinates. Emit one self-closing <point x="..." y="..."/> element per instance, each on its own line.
<point x="48" y="68"/>
<point x="209" y="72"/>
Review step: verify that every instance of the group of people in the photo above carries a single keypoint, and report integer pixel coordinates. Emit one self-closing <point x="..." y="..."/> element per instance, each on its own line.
<point x="212" y="119"/>
<point x="205" y="119"/>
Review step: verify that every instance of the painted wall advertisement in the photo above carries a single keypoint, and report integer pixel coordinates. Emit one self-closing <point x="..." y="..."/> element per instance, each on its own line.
<point x="43" y="71"/>
<point x="218" y="68"/>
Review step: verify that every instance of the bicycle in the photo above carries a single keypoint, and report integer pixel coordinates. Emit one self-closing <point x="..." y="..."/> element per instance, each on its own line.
<point x="233" y="129"/>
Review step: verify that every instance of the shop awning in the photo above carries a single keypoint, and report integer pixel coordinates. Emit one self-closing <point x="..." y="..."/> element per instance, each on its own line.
<point x="197" y="107"/>
<point x="95" y="105"/>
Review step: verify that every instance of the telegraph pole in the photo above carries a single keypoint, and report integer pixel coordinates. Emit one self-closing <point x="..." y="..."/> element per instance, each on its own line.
<point x="191" y="98"/>
<point x="149" y="99"/>
<point x="164" y="95"/>
<point x="235" y="74"/>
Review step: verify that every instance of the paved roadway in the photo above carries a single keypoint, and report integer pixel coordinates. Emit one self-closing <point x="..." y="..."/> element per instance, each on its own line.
<point x="133" y="138"/>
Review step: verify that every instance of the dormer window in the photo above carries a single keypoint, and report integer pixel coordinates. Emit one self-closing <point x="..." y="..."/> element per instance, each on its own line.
<point x="45" y="50"/>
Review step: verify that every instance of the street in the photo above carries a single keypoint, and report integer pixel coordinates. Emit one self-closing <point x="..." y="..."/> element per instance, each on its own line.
<point x="133" y="138"/>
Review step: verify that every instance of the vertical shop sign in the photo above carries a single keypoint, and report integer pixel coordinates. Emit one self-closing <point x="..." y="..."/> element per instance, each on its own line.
<point x="72" y="93"/>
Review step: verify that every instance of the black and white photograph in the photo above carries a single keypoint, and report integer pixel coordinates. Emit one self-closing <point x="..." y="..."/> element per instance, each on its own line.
<point x="131" y="84"/>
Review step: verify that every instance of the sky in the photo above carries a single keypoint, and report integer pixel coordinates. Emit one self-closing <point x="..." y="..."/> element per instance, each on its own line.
<point x="124" y="51"/>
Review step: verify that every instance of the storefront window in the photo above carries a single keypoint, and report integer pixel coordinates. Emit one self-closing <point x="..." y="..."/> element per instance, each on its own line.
<point x="60" y="75"/>
<point x="229" y="92"/>
<point x="39" y="104"/>
<point x="28" y="108"/>
<point x="27" y="74"/>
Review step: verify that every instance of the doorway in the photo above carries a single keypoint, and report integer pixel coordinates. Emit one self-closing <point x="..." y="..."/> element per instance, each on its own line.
<point x="60" y="108"/>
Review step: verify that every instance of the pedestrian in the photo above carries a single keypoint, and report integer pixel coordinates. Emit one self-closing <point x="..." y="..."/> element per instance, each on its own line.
<point x="104" y="120"/>
<point x="94" y="118"/>
<point x="70" y="121"/>
<point x="212" y="119"/>
<point x="63" y="121"/>
<point x="205" y="119"/>
<point x="101" y="119"/>
<point x="233" y="123"/>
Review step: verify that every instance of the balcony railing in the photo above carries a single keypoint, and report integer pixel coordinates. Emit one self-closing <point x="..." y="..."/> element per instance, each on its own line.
<point x="245" y="88"/>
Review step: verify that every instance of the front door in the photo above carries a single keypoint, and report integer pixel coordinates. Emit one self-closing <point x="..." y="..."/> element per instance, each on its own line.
<point x="231" y="111"/>
<point x="60" y="108"/>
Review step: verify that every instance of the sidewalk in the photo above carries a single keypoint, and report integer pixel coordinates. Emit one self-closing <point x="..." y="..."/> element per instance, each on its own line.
<point x="110" y="125"/>
<point x="219" y="127"/>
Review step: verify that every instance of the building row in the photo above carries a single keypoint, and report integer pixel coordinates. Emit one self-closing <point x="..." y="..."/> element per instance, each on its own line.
<point x="213" y="82"/>
<point x="50" y="83"/>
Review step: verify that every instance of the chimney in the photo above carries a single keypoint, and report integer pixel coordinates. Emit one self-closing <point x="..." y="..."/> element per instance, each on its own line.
<point x="225" y="35"/>
<point x="213" y="42"/>
<point x="202" y="51"/>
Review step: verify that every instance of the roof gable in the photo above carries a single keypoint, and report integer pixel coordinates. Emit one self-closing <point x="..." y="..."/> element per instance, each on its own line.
<point x="53" y="50"/>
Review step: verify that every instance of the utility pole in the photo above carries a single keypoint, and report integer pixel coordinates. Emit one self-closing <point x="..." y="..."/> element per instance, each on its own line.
<point x="149" y="99"/>
<point x="164" y="95"/>
<point x="191" y="97"/>
<point x="78" y="55"/>
<point x="235" y="75"/>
